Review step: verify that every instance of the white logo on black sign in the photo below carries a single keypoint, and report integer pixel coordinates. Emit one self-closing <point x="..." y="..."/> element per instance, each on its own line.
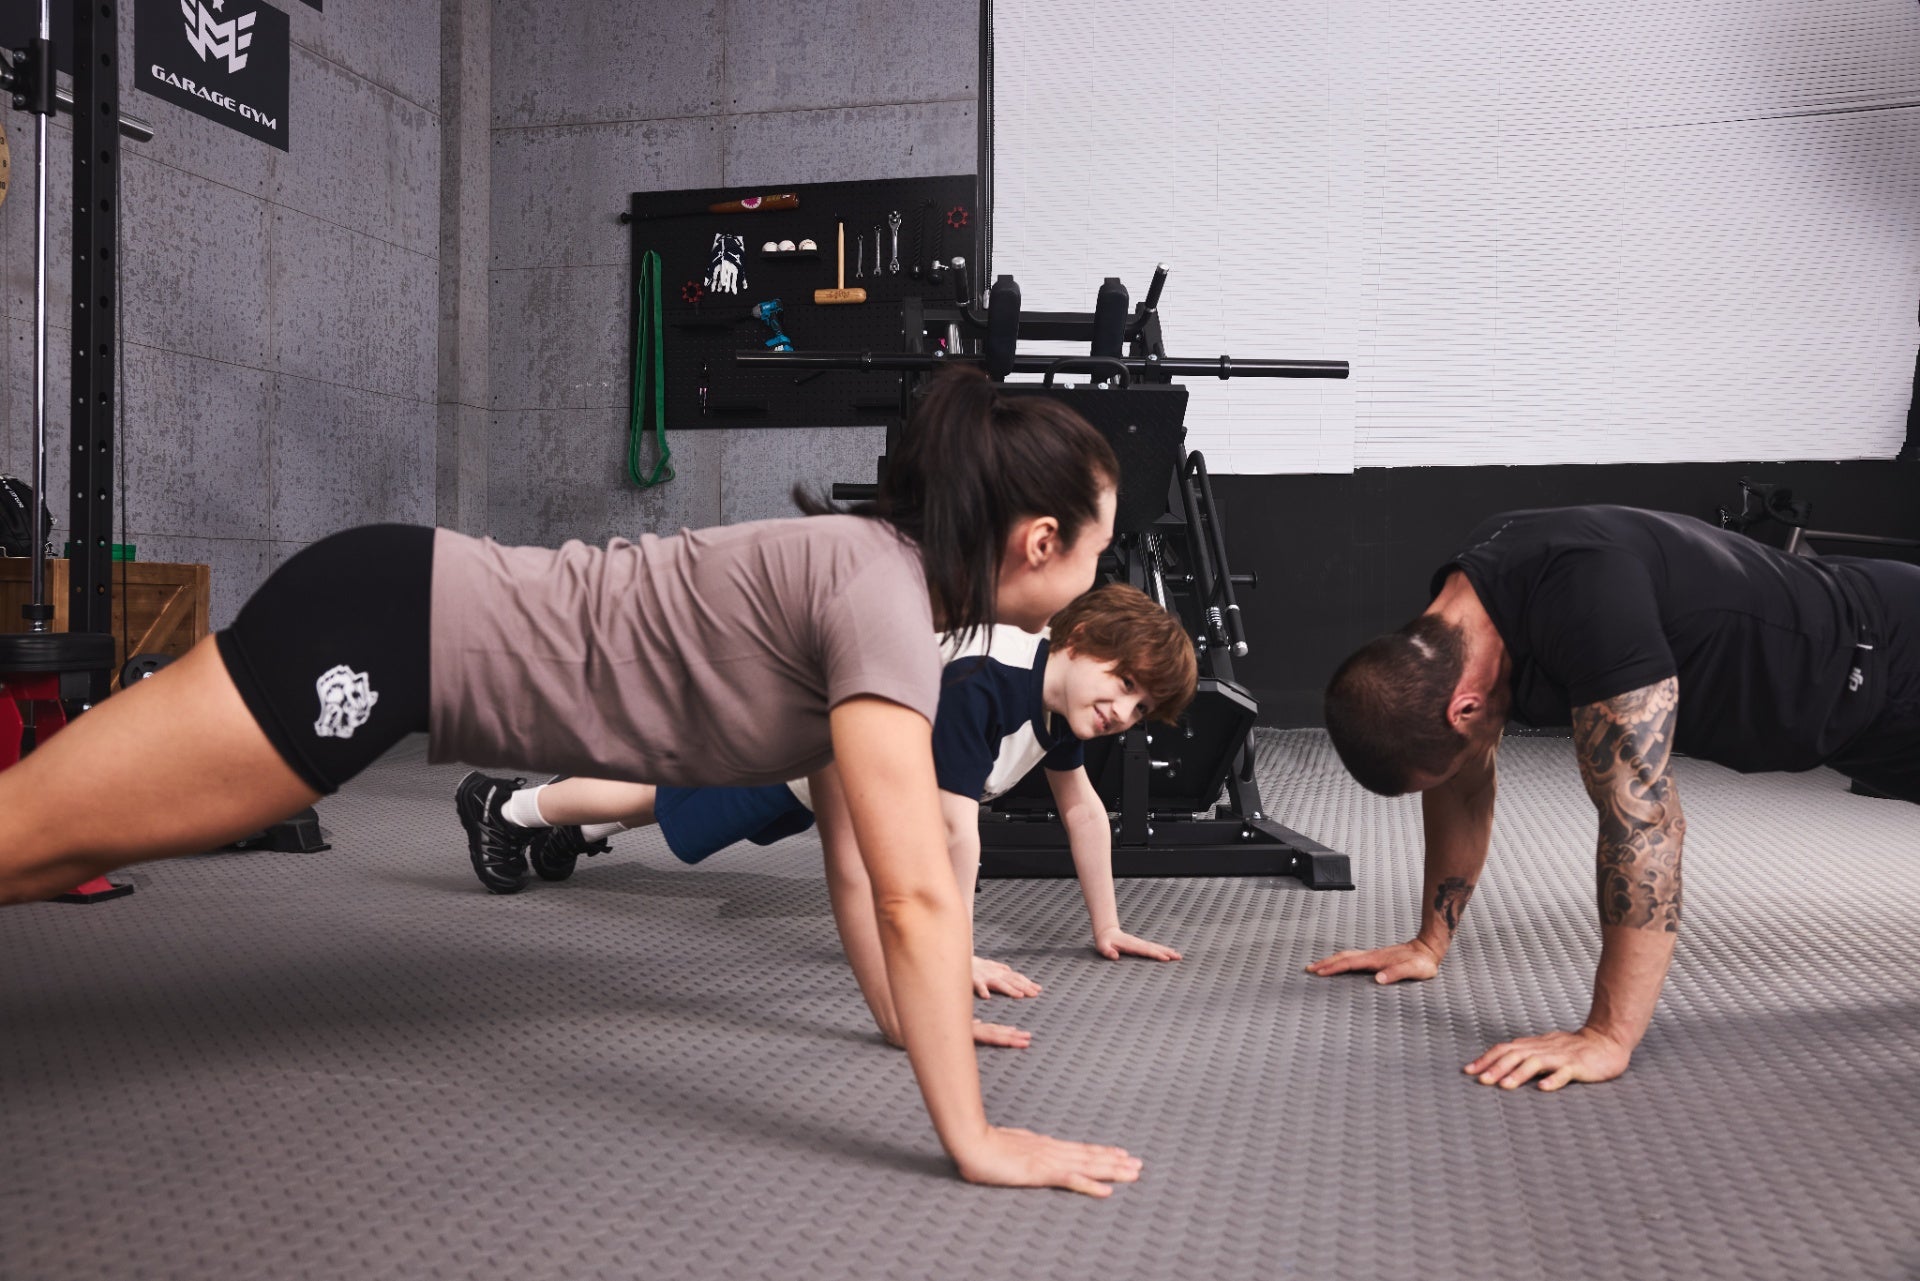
<point x="346" y="701"/>
<point x="212" y="38"/>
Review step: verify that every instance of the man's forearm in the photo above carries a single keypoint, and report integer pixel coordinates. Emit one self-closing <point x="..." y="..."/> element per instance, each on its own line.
<point x="1626" y="987"/>
<point x="1625" y="747"/>
<point x="1639" y="888"/>
<point x="1451" y="877"/>
<point x="1458" y="822"/>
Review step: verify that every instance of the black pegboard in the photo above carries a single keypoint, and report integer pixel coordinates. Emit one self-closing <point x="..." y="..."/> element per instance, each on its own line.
<point x="703" y="329"/>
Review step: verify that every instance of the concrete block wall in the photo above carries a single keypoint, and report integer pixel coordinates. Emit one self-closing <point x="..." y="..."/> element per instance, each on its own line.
<point x="280" y="310"/>
<point x="594" y="99"/>
<point x="420" y="312"/>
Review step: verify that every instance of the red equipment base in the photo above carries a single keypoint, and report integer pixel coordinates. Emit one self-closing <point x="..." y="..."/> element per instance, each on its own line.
<point x="98" y="890"/>
<point x="41" y="692"/>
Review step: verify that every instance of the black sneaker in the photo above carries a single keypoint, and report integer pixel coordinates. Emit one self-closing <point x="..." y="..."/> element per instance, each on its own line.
<point x="555" y="851"/>
<point x="498" y="848"/>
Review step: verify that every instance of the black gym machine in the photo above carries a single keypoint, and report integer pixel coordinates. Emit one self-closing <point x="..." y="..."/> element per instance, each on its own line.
<point x="1185" y="801"/>
<point x="45" y="673"/>
<point x="1765" y="506"/>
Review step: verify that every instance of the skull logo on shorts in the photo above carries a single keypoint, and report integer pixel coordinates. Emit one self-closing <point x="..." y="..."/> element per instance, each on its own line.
<point x="346" y="701"/>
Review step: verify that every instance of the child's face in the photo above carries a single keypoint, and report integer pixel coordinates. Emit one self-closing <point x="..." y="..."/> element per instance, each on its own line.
<point x="1098" y="700"/>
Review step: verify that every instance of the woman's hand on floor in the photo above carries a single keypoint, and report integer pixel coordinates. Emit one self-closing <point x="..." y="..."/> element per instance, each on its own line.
<point x="1022" y="1159"/>
<point x="1002" y="1036"/>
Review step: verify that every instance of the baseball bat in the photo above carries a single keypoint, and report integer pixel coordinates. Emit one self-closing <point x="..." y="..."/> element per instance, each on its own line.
<point x="748" y="204"/>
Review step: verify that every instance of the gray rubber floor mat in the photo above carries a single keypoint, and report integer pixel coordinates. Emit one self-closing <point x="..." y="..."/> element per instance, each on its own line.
<point x="359" y="1064"/>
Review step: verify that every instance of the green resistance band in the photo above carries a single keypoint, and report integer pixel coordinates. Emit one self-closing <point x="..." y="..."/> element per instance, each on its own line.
<point x="649" y="382"/>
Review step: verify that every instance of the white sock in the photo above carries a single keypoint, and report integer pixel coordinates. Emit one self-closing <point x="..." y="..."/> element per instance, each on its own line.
<point x="522" y="809"/>
<point x="601" y="831"/>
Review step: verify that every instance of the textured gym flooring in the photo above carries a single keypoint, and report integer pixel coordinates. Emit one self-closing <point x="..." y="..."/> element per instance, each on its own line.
<point x="358" y="1064"/>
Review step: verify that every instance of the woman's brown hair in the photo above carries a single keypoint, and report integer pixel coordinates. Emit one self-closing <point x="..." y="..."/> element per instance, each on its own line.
<point x="974" y="459"/>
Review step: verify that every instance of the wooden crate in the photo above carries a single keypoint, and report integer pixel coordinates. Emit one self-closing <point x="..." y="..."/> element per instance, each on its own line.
<point x="162" y="609"/>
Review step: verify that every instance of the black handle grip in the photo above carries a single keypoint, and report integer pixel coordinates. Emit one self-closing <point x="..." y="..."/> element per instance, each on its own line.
<point x="1003" y="327"/>
<point x="1153" y="290"/>
<point x="1109" y="318"/>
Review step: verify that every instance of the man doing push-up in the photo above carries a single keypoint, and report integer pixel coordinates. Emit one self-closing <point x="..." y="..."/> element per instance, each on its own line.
<point x="1649" y="634"/>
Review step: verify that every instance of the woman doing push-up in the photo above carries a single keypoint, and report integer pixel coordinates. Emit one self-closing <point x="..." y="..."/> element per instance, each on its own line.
<point x="749" y="654"/>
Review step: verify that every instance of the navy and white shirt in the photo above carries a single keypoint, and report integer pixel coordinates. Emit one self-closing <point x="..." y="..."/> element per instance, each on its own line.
<point x="992" y="727"/>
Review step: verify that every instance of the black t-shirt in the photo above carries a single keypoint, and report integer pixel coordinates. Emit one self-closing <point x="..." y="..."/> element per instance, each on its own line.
<point x="1595" y="601"/>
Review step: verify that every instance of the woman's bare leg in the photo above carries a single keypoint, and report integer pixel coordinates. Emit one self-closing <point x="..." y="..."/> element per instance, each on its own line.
<point x="596" y="800"/>
<point x="174" y="765"/>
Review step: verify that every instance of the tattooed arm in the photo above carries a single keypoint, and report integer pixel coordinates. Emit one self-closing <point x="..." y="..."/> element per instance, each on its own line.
<point x="1458" y="818"/>
<point x="1625" y="750"/>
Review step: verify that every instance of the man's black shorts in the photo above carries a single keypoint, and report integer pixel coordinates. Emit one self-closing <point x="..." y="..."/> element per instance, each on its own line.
<point x="1886" y="755"/>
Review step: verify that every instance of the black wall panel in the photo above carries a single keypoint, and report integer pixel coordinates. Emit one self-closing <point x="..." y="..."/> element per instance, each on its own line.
<point x="1342" y="558"/>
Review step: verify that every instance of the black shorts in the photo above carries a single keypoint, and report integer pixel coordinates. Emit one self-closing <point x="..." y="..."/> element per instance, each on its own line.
<point x="330" y="655"/>
<point x="1886" y="755"/>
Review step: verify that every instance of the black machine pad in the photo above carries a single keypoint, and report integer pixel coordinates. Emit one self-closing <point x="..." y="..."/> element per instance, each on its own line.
<point x="1146" y="425"/>
<point x="1200" y="750"/>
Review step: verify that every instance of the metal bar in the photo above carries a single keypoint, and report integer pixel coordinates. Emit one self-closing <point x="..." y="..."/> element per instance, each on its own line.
<point x="1056" y="327"/>
<point x="135" y="127"/>
<point x="1207" y="847"/>
<point x="1176" y="366"/>
<point x="96" y="160"/>
<point x="39" y="617"/>
<point x="1156" y="570"/>
<point x="1236" y="633"/>
<point x="1875" y="540"/>
<point x="132" y="126"/>
<point x="1133" y="827"/>
<point x="983" y="161"/>
<point x="1205" y="586"/>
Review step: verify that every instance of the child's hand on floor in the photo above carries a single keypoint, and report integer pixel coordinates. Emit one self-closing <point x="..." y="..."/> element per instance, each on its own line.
<point x="1003" y="1035"/>
<point x="1115" y="943"/>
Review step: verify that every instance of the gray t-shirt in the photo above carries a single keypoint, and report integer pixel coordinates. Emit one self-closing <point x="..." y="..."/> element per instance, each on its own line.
<point x="711" y="657"/>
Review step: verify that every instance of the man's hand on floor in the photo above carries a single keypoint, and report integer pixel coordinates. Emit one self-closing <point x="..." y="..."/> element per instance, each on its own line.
<point x="1560" y="1057"/>
<point x="1411" y="960"/>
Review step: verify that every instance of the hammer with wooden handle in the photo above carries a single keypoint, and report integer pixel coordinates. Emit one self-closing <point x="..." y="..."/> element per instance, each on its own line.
<point x="840" y="293"/>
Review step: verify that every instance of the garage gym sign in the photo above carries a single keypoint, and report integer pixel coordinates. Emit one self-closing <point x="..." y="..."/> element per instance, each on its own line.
<point x="223" y="59"/>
